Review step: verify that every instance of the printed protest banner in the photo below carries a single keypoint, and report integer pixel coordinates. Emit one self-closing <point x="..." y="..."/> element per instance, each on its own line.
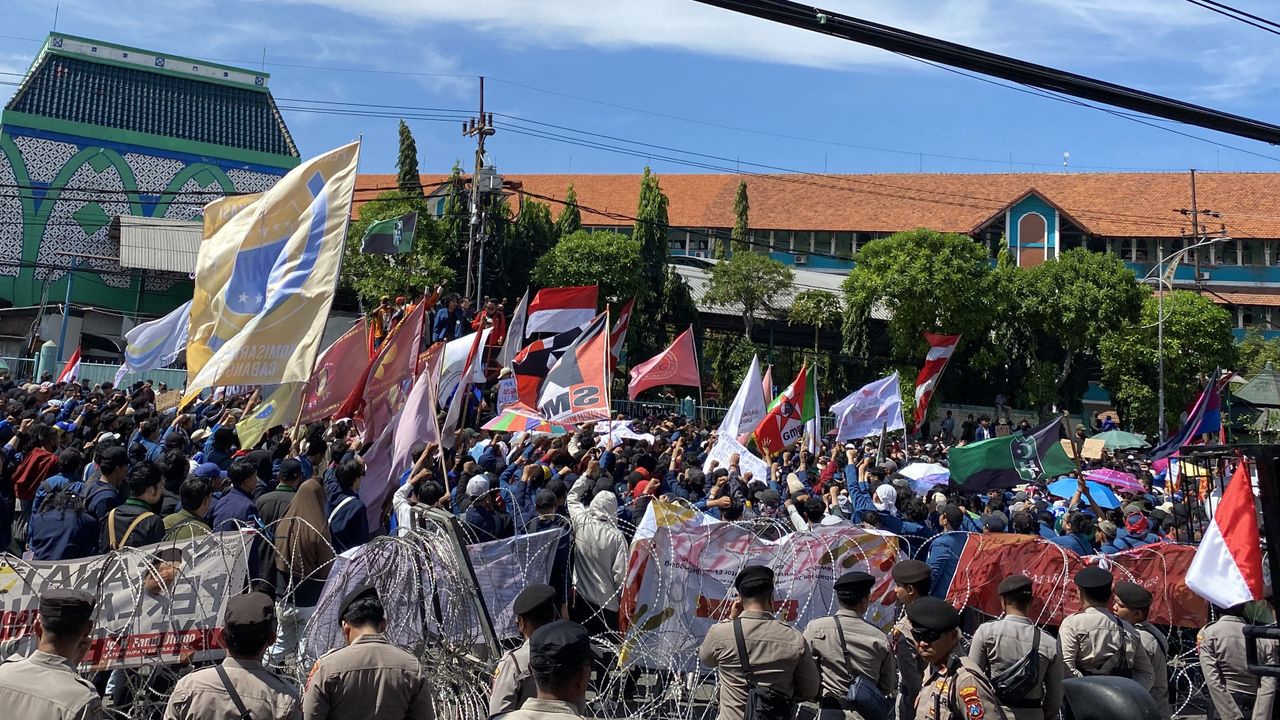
<point x="987" y="559"/>
<point x="160" y="604"/>
<point x="680" y="579"/>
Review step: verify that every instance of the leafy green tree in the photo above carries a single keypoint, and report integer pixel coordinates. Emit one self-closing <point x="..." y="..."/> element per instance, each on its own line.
<point x="408" y="179"/>
<point x="741" y="221"/>
<point x="678" y="307"/>
<point x="516" y="250"/>
<point x="1197" y="338"/>
<point x="817" y="308"/>
<point x="1256" y="351"/>
<point x="927" y="281"/>
<point x="748" y="282"/>
<point x="606" y="259"/>
<point x="1079" y="297"/>
<point x="455" y="223"/>
<point x="570" y="220"/>
<point x="729" y="355"/>
<point x="409" y="274"/>
<point x="647" y="333"/>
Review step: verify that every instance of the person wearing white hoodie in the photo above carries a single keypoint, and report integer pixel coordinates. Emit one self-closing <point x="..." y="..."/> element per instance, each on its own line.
<point x="599" y="553"/>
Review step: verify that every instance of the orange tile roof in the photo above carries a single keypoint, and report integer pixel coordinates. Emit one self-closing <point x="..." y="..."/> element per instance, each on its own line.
<point x="1108" y="204"/>
<point x="1243" y="298"/>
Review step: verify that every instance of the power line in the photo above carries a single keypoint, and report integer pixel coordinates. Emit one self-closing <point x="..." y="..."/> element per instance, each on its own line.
<point x="1238" y="15"/>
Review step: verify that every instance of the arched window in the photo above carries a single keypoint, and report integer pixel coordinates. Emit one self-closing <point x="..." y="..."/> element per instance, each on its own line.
<point x="1032" y="231"/>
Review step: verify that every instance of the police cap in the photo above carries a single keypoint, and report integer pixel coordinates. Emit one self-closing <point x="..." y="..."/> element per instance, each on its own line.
<point x="66" y="605"/>
<point x="909" y="572"/>
<point x="1133" y="595"/>
<point x="533" y="598"/>
<point x="1093" y="578"/>
<point x="253" y="608"/>
<point x="365" y="590"/>
<point x="560" y="647"/>
<point x="1014" y="584"/>
<point x="933" y="613"/>
<point x="854" y="585"/>
<point x="753" y="577"/>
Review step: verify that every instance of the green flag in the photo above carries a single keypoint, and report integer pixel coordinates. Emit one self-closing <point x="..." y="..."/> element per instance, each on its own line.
<point x="392" y="236"/>
<point x="1007" y="461"/>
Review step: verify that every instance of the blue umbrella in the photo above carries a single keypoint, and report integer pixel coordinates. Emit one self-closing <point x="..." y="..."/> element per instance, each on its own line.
<point x="1065" y="487"/>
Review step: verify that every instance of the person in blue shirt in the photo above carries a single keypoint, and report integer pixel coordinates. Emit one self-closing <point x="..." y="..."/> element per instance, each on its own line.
<point x="235" y="506"/>
<point x="348" y="517"/>
<point x="944" y="550"/>
<point x="103" y="494"/>
<point x="70" y="465"/>
<point x="1077" y="534"/>
<point x="447" y="321"/>
<point x="1135" y="533"/>
<point x="221" y="446"/>
<point x="147" y="446"/>
<point x="483" y="519"/>
<point x="62" y="529"/>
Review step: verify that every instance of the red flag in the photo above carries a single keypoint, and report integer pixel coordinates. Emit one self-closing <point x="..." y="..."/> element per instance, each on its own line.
<point x="619" y="334"/>
<point x="72" y="369"/>
<point x="332" y="381"/>
<point x="677" y="365"/>
<point x="577" y="387"/>
<point x="560" y="309"/>
<point x="784" y="423"/>
<point x="940" y="349"/>
<point x="767" y="384"/>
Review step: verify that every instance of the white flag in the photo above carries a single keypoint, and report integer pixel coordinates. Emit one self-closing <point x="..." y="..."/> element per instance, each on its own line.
<point x="455" y="357"/>
<point x="813" y="428"/>
<point x="748" y="406"/>
<point x="157" y="343"/>
<point x="871" y="410"/>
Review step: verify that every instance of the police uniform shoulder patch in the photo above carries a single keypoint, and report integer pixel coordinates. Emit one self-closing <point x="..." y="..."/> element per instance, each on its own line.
<point x="973" y="709"/>
<point x="314" y="667"/>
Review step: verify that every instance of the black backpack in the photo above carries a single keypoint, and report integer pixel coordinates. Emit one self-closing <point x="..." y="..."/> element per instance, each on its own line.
<point x="1018" y="680"/>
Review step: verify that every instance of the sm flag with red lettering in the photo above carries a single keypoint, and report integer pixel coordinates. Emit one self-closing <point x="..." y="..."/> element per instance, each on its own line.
<point x="577" y="387"/>
<point x="785" y="421"/>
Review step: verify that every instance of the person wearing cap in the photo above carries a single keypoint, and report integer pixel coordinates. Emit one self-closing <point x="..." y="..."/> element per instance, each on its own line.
<point x="240" y="684"/>
<point x="560" y="656"/>
<point x="513" y="681"/>
<point x="1000" y="644"/>
<point x="911" y="582"/>
<point x="845" y="646"/>
<point x="484" y="518"/>
<point x="46" y="684"/>
<point x="1096" y="642"/>
<point x="1236" y="693"/>
<point x="955" y="687"/>
<point x="777" y="656"/>
<point x="369" y="679"/>
<point x="1132" y="603"/>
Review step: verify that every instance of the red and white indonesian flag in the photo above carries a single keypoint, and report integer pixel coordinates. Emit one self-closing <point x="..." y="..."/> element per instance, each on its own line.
<point x="72" y="369"/>
<point x="940" y="349"/>
<point x="1227" y="567"/>
<point x="577" y="386"/>
<point x="559" y="309"/>
<point x="677" y="365"/>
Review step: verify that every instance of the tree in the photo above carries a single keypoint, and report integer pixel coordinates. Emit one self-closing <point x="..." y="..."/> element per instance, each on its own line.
<point x="741" y="221"/>
<point x="926" y="280"/>
<point x="728" y="355"/>
<point x="647" y="333"/>
<point x="570" y="220"/>
<point x="748" y="282"/>
<point x="1077" y="298"/>
<point x="1256" y="351"/>
<point x="1197" y="338"/>
<point x="408" y="179"/>
<point x="517" y="249"/>
<point x="817" y="308"/>
<point x="455" y="223"/>
<point x="409" y="274"/>
<point x="607" y="259"/>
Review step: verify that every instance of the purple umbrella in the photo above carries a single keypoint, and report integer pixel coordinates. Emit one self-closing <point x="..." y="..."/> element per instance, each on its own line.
<point x="1122" y="481"/>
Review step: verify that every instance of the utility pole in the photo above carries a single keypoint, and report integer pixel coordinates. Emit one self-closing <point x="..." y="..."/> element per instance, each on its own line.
<point x="1195" y="223"/>
<point x="479" y="127"/>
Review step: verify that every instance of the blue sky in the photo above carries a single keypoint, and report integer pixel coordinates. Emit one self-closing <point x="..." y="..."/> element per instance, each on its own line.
<point x="685" y="76"/>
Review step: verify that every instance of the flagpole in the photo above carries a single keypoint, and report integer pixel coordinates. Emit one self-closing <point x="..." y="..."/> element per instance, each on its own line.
<point x="608" y="373"/>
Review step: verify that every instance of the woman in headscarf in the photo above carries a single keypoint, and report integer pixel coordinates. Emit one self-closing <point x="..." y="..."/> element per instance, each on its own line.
<point x="304" y="553"/>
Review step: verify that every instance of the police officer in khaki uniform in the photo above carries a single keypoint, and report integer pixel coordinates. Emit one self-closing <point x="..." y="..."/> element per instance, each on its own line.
<point x="911" y="579"/>
<point x="846" y="643"/>
<point x="778" y="656"/>
<point x="240" y="683"/>
<point x="1131" y="605"/>
<point x="561" y="656"/>
<point x="1237" y="694"/>
<point x="369" y="679"/>
<point x="513" y="682"/>
<point x="955" y="687"/>
<point x="998" y="645"/>
<point x="45" y="685"/>
<point x="1096" y="642"/>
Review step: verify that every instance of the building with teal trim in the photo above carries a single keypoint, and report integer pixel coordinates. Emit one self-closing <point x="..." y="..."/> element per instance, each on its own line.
<point x="819" y="221"/>
<point x="97" y="131"/>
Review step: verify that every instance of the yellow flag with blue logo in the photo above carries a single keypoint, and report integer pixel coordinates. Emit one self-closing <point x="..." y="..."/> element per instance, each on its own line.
<point x="266" y="274"/>
<point x="279" y="407"/>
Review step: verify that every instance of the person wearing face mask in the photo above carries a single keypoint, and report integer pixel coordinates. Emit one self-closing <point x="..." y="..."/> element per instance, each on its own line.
<point x="45" y="685"/>
<point x="954" y="686"/>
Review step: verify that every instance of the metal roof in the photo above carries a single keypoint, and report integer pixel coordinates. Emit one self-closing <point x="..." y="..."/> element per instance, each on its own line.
<point x="696" y="272"/>
<point x="158" y="244"/>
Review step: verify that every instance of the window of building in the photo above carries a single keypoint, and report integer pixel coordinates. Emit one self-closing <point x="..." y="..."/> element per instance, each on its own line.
<point x="1144" y="250"/>
<point x="1227" y="253"/>
<point x="1252" y="253"/>
<point x="845" y="245"/>
<point x="701" y="241"/>
<point x="802" y="242"/>
<point x="781" y="241"/>
<point x="1255" y="316"/>
<point x="1031" y="230"/>
<point x="822" y="243"/>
